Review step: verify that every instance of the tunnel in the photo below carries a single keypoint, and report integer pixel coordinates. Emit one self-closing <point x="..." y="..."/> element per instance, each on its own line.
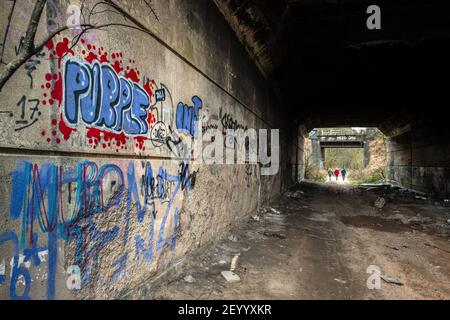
<point x="329" y="75"/>
<point x="177" y="149"/>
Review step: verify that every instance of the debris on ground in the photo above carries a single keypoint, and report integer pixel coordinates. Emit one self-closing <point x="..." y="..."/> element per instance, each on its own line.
<point x="273" y="234"/>
<point x="232" y="238"/>
<point x="189" y="279"/>
<point x="294" y="195"/>
<point x="256" y="218"/>
<point x="409" y="235"/>
<point x="446" y="203"/>
<point x="379" y="202"/>
<point x="234" y="262"/>
<point x="340" y="281"/>
<point x="392" y="280"/>
<point x="420" y="197"/>
<point x="230" y="276"/>
<point x="399" y="217"/>
<point x="275" y="211"/>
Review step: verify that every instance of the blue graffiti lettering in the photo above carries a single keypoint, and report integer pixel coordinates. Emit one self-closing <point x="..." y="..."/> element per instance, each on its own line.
<point x="104" y="99"/>
<point x="187" y="116"/>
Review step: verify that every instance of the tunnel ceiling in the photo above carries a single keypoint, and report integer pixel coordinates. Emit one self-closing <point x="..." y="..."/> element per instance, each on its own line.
<point x="328" y="69"/>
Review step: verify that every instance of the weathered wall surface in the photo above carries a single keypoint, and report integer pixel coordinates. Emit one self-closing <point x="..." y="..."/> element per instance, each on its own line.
<point x="420" y="160"/>
<point x="92" y="139"/>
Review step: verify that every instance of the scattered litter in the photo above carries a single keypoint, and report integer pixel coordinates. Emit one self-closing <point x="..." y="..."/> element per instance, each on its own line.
<point x="340" y="281"/>
<point x="234" y="262"/>
<point x="256" y="218"/>
<point x="393" y="280"/>
<point x="232" y="238"/>
<point x="222" y="262"/>
<point x="379" y="202"/>
<point x="246" y="249"/>
<point x="275" y="211"/>
<point x="448" y="221"/>
<point x="399" y="217"/>
<point x="274" y="235"/>
<point x="189" y="279"/>
<point x="446" y="203"/>
<point x="230" y="276"/>
<point x="420" y="197"/>
<point x="435" y="290"/>
<point x="294" y="195"/>
<point x="232" y="248"/>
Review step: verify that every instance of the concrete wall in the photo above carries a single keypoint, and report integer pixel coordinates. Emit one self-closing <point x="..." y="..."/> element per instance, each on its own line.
<point x="420" y="159"/>
<point x="108" y="197"/>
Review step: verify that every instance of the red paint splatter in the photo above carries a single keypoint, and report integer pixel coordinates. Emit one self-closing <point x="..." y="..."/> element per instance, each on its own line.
<point x="50" y="45"/>
<point x="96" y="135"/>
<point x="140" y="142"/>
<point x="117" y="67"/>
<point x="91" y="57"/>
<point x="57" y="91"/>
<point x="148" y="88"/>
<point x="65" y="129"/>
<point x="62" y="48"/>
<point x="132" y="75"/>
<point x="104" y="57"/>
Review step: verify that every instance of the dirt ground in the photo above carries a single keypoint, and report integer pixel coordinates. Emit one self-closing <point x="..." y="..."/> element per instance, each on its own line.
<point x="318" y="241"/>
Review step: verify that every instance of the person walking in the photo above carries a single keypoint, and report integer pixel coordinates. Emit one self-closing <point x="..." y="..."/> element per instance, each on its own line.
<point x="343" y="173"/>
<point x="336" y="173"/>
<point x="330" y="173"/>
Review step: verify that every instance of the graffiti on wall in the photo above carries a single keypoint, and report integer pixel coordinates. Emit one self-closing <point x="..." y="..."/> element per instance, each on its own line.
<point x="54" y="203"/>
<point x="103" y="96"/>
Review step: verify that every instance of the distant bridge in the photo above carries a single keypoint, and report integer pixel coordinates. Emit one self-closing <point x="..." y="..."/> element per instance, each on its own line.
<point x="337" y="138"/>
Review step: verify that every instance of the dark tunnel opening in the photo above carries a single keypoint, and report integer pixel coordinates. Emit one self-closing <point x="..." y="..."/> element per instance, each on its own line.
<point x="329" y="70"/>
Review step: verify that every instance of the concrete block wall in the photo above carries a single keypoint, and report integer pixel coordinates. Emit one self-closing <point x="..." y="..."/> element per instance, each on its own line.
<point x="420" y="159"/>
<point x="94" y="208"/>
